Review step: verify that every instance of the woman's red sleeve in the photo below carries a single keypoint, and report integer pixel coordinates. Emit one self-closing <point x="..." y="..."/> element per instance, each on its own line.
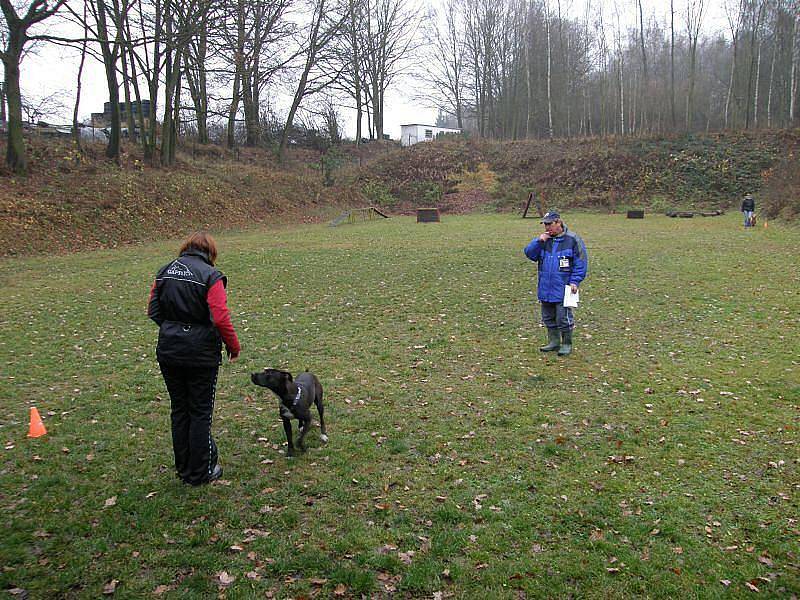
<point x="218" y="304"/>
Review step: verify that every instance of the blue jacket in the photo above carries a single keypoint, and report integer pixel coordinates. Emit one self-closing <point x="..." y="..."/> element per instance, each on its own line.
<point x="562" y="260"/>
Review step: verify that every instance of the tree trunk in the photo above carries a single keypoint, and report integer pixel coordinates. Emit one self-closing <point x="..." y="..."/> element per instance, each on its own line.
<point x="110" y="65"/>
<point x="754" y="54"/>
<point x="131" y="123"/>
<point x="672" y="64"/>
<point x="135" y="80"/>
<point x="549" y="73"/>
<point x="16" y="156"/>
<point x="176" y="119"/>
<point x="528" y="66"/>
<point x="645" y="78"/>
<point x="76" y="132"/>
<point x="153" y="81"/>
<point x="755" y="91"/>
<point x="238" y="73"/>
<point x="169" y="126"/>
<point x="2" y="102"/>
<point x="795" y="74"/>
<point x="621" y="97"/>
<point x="730" y="81"/>
<point x="769" y="86"/>
<point x="234" y="108"/>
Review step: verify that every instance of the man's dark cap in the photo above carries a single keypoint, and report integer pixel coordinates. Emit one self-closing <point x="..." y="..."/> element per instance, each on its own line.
<point x="550" y="217"/>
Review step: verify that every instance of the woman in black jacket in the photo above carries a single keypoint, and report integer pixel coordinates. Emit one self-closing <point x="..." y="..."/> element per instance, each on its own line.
<point x="189" y="304"/>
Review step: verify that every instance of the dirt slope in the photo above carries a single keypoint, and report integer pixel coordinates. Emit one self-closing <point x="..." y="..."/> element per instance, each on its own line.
<point x="70" y="202"/>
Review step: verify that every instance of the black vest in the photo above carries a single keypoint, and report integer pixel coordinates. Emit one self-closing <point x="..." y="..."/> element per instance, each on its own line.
<point x="187" y="336"/>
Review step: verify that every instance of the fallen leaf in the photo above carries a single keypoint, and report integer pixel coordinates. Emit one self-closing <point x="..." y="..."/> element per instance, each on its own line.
<point x="765" y="560"/>
<point x="751" y="587"/>
<point x="225" y="579"/>
<point x="725" y="582"/>
<point x="340" y="590"/>
<point x="110" y="502"/>
<point x="163" y="589"/>
<point x="110" y="587"/>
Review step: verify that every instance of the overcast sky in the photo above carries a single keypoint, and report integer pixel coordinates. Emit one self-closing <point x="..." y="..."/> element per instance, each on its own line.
<point x="54" y="69"/>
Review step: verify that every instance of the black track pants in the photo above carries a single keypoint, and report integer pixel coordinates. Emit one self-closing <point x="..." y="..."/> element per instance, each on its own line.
<point x="191" y="391"/>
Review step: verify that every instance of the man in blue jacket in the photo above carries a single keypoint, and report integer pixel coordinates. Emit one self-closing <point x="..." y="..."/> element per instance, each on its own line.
<point x="562" y="259"/>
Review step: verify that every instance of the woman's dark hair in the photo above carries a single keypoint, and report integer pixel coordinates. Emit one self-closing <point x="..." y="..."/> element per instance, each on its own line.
<point x="202" y="241"/>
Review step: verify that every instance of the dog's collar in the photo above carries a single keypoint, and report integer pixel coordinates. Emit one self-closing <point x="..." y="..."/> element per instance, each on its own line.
<point x="299" y="393"/>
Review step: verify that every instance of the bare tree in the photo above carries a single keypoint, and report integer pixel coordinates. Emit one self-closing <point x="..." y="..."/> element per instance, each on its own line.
<point x="549" y="69"/>
<point x="756" y="15"/>
<point x="734" y="16"/>
<point x="795" y="70"/>
<point x="645" y="74"/>
<point x="672" y="64"/>
<point x="76" y="133"/>
<point x="443" y="77"/>
<point x="2" y="103"/>
<point x="16" y="34"/>
<point x="694" y="20"/>
<point x="389" y="31"/>
<point x="325" y="25"/>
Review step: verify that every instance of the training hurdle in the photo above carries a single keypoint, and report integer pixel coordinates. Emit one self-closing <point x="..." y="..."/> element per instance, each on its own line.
<point x="358" y="215"/>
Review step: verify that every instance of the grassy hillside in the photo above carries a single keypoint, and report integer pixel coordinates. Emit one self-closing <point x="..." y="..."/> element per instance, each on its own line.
<point x="609" y="174"/>
<point x="69" y="204"/>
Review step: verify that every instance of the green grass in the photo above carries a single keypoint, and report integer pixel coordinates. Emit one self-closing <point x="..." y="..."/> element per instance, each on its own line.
<point x="658" y="460"/>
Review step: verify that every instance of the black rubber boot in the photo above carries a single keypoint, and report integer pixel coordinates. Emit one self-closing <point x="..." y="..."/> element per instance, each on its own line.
<point x="566" y="343"/>
<point x="554" y="343"/>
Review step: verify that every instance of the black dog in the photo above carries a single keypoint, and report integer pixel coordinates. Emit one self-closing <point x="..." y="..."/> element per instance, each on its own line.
<point x="296" y="397"/>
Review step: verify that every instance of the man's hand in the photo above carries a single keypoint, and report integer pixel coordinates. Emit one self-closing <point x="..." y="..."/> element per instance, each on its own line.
<point x="544" y="237"/>
<point x="573" y="287"/>
<point x="232" y="356"/>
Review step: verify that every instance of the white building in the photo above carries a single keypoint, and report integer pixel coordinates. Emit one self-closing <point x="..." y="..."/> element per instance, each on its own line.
<point x="414" y="133"/>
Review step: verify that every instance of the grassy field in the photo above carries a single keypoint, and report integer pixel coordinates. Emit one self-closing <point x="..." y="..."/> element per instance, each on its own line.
<point x="659" y="460"/>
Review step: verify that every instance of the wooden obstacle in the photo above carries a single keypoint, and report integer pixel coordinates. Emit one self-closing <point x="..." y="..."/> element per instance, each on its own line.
<point x="358" y="215"/>
<point x="636" y="214"/>
<point x="688" y="214"/>
<point x="428" y="215"/>
<point x="531" y="198"/>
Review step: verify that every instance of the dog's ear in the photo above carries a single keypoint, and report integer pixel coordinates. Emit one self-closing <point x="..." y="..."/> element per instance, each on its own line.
<point x="288" y="376"/>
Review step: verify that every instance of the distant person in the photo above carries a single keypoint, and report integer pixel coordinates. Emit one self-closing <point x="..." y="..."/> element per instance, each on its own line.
<point x="189" y="304"/>
<point x="563" y="261"/>
<point x="749" y="209"/>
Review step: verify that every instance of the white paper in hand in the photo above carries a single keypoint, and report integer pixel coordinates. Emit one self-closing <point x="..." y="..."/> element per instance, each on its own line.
<point x="571" y="300"/>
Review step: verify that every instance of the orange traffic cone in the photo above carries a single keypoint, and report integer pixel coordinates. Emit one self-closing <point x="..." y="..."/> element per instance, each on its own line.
<point x="37" y="427"/>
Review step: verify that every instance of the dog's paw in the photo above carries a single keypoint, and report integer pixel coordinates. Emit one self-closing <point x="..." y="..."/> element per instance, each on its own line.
<point x="324" y="438"/>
